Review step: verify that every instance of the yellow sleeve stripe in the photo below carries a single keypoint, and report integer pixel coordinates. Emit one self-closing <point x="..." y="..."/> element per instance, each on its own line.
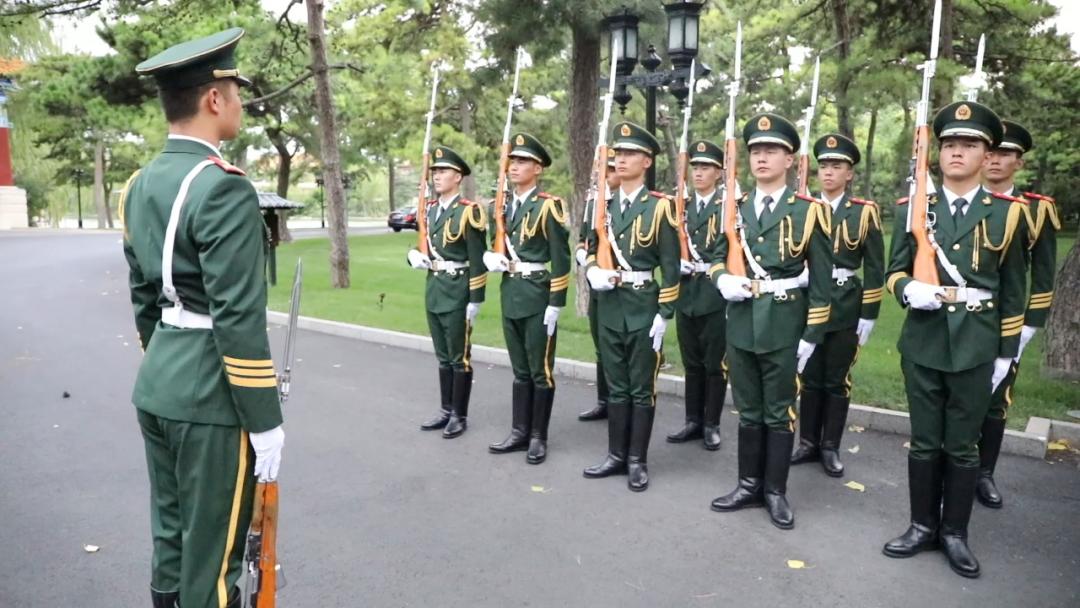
<point x="1011" y="320"/>
<point x="560" y="283"/>
<point x="252" y="382"/>
<point x="1012" y="324"/>
<point x="478" y="282"/>
<point x="666" y="299"/>
<point x="891" y="284"/>
<point x="871" y="299"/>
<point x="820" y="309"/>
<point x="1005" y="333"/>
<point x="818" y="321"/>
<point x="1039" y="305"/>
<point x="715" y="267"/>
<point x="248" y="362"/>
<point x="250" y="373"/>
<point x="1042" y="297"/>
<point x="873" y="292"/>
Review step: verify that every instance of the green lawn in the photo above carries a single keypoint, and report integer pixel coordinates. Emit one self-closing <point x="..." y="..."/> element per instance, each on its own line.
<point x="386" y="293"/>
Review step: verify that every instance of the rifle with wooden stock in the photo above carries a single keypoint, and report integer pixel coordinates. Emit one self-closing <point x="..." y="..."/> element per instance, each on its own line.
<point x="804" y="148"/>
<point x="736" y="262"/>
<point x="683" y="165"/>
<point x="604" y="256"/>
<point x="925" y="265"/>
<point x="425" y="171"/>
<point x="499" y="211"/>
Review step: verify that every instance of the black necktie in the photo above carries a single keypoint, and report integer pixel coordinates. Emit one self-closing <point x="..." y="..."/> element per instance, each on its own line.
<point x="958" y="208"/>
<point x="700" y="205"/>
<point x="513" y="212"/>
<point x="766" y="208"/>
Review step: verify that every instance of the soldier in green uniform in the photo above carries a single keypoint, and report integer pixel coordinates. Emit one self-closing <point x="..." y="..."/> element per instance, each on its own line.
<point x="700" y="313"/>
<point x="454" y="290"/>
<point x="598" y="411"/>
<point x="774" y="322"/>
<point x="856" y="241"/>
<point x="959" y="337"/>
<point x="532" y="295"/>
<point x="634" y="305"/>
<point x="1041" y="250"/>
<point x="206" y="392"/>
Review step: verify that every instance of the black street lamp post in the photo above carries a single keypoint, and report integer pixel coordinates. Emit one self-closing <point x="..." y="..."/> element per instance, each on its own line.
<point x="683" y="19"/>
<point x="322" y="203"/>
<point x="78" y="192"/>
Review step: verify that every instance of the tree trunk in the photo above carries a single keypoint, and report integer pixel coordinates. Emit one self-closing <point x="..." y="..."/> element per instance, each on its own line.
<point x="667" y="184"/>
<point x="390" y="180"/>
<point x="338" y="220"/>
<point x="284" y="175"/>
<point x="584" y="79"/>
<point x="468" y="184"/>
<point x="103" y="216"/>
<point x="868" y="184"/>
<point x="1062" y="351"/>
<point x="944" y="88"/>
<point x="843" y="77"/>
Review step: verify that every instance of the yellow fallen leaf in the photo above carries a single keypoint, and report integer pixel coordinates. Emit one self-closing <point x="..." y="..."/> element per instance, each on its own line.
<point x="538" y="489"/>
<point x="853" y="449"/>
<point x="1060" y="444"/>
<point x="854" y="485"/>
<point x="856" y="428"/>
<point x="796" y="564"/>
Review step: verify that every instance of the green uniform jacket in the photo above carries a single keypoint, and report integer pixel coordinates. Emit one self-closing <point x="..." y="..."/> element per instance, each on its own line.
<point x="222" y="375"/>
<point x="647" y="234"/>
<point x="857" y="241"/>
<point x="795" y="236"/>
<point x="986" y="247"/>
<point x="698" y="295"/>
<point x="457" y="236"/>
<point x="538" y="234"/>
<point x="1043" y="226"/>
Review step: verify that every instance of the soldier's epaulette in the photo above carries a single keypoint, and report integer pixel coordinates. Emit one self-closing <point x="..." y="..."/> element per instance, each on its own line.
<point x="433" y="201"/>
<point x="659" y="194"/>
<point x="808" y="199"/>
<point x="1041" y="197"/>
<point x="465" y="201"/>
<point x="545" y="195"/>
<point x="862" y="201"/>
<point x="229" y="168"/>
<point x="902" y="201"/>
<point x="1015" y="199"/>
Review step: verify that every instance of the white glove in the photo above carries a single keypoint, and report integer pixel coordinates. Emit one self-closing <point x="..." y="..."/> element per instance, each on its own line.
<point x="1026" y="334"/>
<point x="804" y="277"/>
<point x="1001" y="369"/>
<point x="923" y="296"/>
<point x="805" y="350"/>
<point x="496" y="262"/>
<point x="686" y="268"/>
<point x="267" y="446"/>
<point x="600" y="279"/>
<point x="471" y="310"/>
<point x="865" y="327"/>
<point x="418" y="260"/>
<point x="551" y="318"/>
<point x="581" y="255"/>
<point x="733" y="287"/>
<point x="659" y="328"/>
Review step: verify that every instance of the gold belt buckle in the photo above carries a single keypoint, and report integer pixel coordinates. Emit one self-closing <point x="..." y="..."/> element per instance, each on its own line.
<point x="950" y="295"/>
<point x="511" y="267"/>
<point x="755" y="287"/>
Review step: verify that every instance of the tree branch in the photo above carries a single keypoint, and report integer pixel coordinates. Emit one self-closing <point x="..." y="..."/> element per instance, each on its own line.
<point x="298" y="81"/>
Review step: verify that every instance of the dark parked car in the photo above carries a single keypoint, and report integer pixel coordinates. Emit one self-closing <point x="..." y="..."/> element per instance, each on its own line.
<point x="402" y="218"/>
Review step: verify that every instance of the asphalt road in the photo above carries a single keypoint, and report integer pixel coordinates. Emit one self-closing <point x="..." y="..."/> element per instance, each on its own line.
<point x="376" y="513"/>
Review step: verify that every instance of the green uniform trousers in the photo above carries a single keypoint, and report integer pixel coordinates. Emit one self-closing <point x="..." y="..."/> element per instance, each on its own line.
<point x="947" y="410"/>
<point x="451" y="336"/>
<point x="702" y="342"/>
<point x="630" y="366"/>
<point x="594" y="324"/>
<point x="764" y="386"/>
<point x="829" y="368"/>
<point x="1002" y="399"/>
<point x="201" y="491"/>
<point x="532" y="351"/>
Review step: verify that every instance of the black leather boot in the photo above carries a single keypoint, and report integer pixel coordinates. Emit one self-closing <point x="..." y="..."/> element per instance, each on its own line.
<point x="924" y="491"/>
<point x="522" y="404"/>
<point x="694" y="400"/>
<point x="599" y="412"/>
<point x="640" y="432"/>
<point x="811" y="403"/>
<point x="749" y="492"/>
<point x="993" y="431"/>
<point x="959" y="497"/>
<point x="164" y="600"/>
<point x="446" y="392"/>
<point x="777" y="462"/>
<point x="618" y="443"/>
<point x="543" y="398"/>
<point x="459" y="411"/>
<point x="715" y="391"/>
<point x="835" y="415"/>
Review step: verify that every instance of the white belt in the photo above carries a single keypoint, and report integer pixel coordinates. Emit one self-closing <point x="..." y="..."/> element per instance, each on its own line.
<point x="526" y="267"/>
<point x="773" y="286"/>
<point x="178" y="316"/>
<point x="841" y="275"/>
<point x="447" y="266"/>
<point x="701" y="267"/>
<point x="970" y="295"/>
<point x="635" y="277"/>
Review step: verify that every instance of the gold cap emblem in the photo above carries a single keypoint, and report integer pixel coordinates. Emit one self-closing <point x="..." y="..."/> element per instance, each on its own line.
<point x="611" y="152"/>
<point x="520" y="141"/>
<point x="701" y="147"/>
<point x="963" y="112"/>
<point x="831" y="142"/>
<point x="625" y="131"/>
<point x="764" y="124"/>
<point x="438" y="152"/>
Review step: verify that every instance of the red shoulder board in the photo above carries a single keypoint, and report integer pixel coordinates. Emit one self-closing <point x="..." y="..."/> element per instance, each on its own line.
<point x="1015" y="199"/>
<point x="546" y="195"/>
<point x="433" y="201"/>
<point x="659" y="194"/>
<point x="902" y="201"/>
<point x="808" y="199"/>
<point x="1041" y="197"/>
<point x="229" y="168"/>
<point x="861" y="201"/>
<point x="465" y="201"/>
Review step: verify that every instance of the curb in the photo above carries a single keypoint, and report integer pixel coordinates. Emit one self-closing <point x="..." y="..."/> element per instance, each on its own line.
<point x="1030" y="442"/>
